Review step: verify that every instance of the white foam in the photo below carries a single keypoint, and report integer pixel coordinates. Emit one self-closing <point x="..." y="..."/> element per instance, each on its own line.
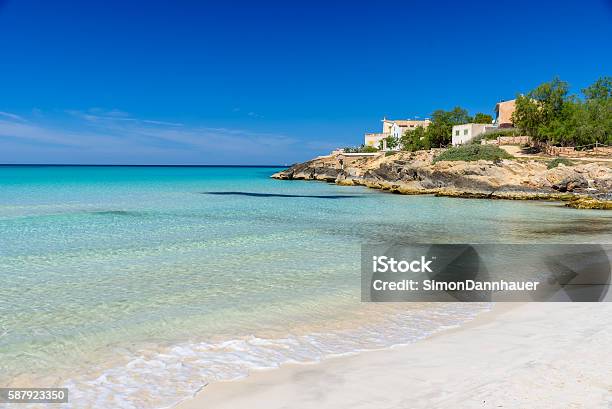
<point x="163" y="378"/>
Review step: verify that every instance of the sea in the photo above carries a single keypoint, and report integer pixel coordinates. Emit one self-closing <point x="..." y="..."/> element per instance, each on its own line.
<point x="136" y="287"/>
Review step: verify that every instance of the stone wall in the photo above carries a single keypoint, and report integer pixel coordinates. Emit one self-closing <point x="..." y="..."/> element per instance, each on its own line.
<point x="506" y="140"/>
<point x="569" y="151"/>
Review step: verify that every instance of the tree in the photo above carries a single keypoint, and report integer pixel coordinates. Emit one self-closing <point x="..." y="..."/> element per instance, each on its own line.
<point x="439" y="131"/>
<point x="548" y="114"/>
<point x="527" y="116"/>
<point x="594" y="123"/>
<point x="600" y="90"/>
<point x="481" y="118"/>
<point x="562" y="128"/>
<point x="391" y="141"/>
<point x="550" y="96"/>
<point x="540" y="112"/>
<point x="459" y="116"/>
<point x="414" y="140"/>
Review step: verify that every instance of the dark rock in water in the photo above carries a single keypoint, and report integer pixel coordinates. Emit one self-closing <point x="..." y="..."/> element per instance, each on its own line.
<point x="116" y="213"/>
<point x="585" y="202"/>
<point x="258" y="194"/>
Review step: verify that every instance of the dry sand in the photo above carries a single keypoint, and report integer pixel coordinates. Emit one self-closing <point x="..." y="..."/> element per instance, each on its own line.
<point x="537" y="355"/>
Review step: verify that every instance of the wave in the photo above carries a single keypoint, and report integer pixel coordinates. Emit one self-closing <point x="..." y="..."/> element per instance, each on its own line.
<point x="162" y="377"/>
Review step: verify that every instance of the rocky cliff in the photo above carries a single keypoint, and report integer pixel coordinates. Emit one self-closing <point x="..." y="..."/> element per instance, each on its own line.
<point x="416" y="173"/>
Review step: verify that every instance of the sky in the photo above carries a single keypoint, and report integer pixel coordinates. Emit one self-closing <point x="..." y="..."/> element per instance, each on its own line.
<point x="267" y="83"/>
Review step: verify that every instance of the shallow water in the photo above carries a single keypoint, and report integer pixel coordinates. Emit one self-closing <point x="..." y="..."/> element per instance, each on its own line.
<point x="135" y="286"/>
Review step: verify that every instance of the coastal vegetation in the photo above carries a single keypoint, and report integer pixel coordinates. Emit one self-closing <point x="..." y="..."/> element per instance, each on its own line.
<point x="481" y="118"/>
<point x="438" y="133"/>
<point x="559" y="161"/>
<point x="472" y="153"/>
<point x="360" y="149"/>
<point x="548" y="114"/>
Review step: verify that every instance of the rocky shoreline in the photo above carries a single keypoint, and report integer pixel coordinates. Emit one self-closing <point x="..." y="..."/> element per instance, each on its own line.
<point x="584" y="186"/>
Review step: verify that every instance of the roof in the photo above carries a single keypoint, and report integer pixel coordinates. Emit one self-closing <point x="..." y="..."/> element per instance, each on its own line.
<point x="509" y="101"/>
<point x="474" y="123"/>
<point x="406" y="122"/>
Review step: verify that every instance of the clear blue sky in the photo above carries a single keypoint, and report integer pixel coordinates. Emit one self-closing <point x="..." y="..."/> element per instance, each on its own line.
<point x="143" y="82"/>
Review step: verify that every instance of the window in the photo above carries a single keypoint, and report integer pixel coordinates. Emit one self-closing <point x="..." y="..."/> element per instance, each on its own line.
<point x="457" y="132"/>
<point x="465" y="131"/>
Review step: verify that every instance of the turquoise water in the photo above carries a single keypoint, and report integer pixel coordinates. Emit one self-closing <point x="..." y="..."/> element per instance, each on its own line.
<point x="136" y="286"/>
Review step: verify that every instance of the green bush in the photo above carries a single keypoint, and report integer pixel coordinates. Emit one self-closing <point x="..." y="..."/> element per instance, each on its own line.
<point x="360" y="149"/>
<point x="368" y="149"/>
<point x="473" y="152"/>
<point x="556" y="162"/>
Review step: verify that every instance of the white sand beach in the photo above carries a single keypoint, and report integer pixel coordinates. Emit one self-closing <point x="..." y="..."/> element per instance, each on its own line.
<point x="537" y="355"/>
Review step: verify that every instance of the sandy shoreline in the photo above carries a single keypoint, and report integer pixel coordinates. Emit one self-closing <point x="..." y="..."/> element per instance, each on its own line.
<point x="537" y="355"/>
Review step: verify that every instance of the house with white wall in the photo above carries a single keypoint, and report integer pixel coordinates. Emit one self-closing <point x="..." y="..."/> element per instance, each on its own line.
<point x="462" y="134"/>
<point x="399" y="126"/>
<point x="395" y="128"/>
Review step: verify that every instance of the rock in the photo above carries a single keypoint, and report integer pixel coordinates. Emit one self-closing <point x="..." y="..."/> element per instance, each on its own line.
<point x="586" y="202"/>
<point x="415" y="173"/>
<point x="566" y="179"/>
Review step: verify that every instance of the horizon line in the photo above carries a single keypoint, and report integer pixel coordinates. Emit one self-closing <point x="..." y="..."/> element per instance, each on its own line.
<point x="142" y="165"/>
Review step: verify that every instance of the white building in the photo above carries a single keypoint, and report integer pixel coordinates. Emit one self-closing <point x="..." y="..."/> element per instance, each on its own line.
<point x="399" y="126"/>
<point x="395" y="128"/>
<point x="374" y="139"/>
<point x="464" y="133"/>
